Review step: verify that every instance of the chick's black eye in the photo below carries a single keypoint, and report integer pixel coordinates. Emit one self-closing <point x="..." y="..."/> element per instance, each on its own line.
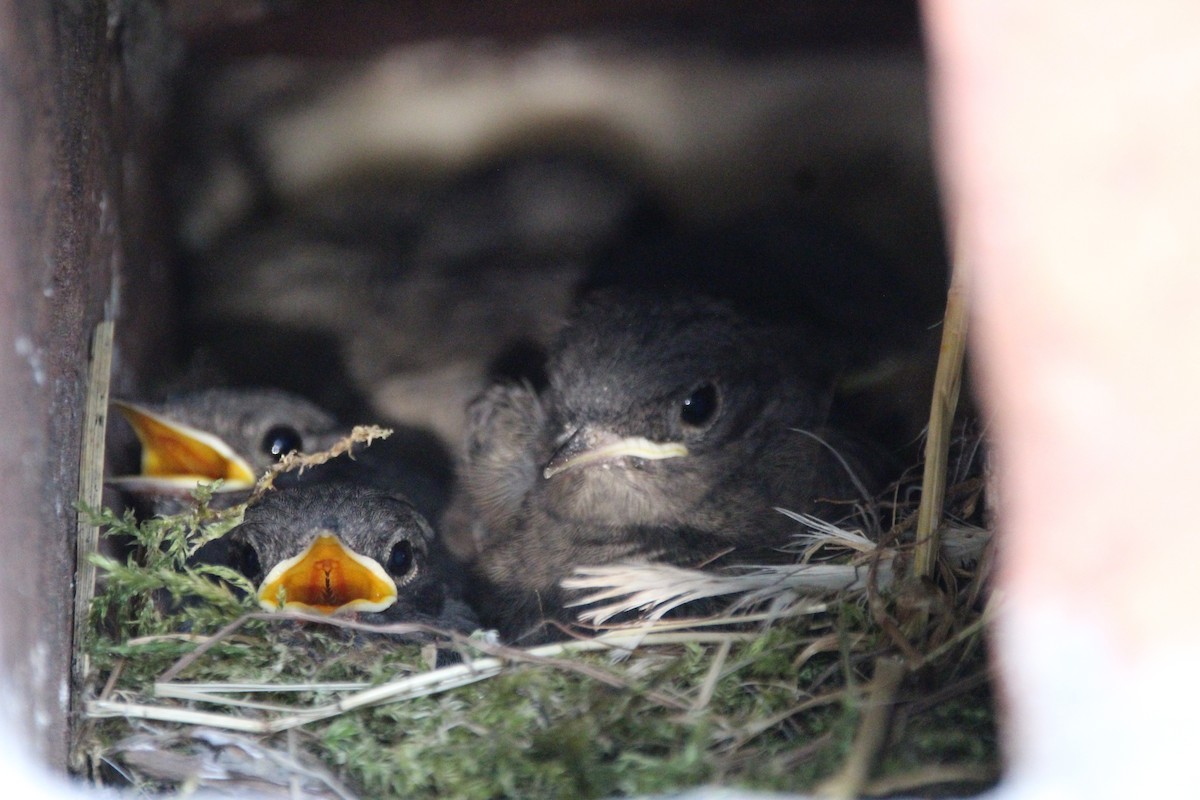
<point x="400" y="560"/>
<point x="281" y="440"/>
<point x="699" y="407"/>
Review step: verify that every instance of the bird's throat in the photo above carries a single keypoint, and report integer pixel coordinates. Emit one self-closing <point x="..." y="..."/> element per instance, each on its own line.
<point x="327" y="578"/>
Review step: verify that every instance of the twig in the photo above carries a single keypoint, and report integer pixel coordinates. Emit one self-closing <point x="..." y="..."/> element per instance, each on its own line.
<point x="91" y="488"/>
<point x="364" y="434"/>
<point x="185" y="661"/>
<point x="960" y="687"/>
<point x="872" y="733"/>
<point x="909" y="783"/>
<point x="878" y="606"/>
<point x="293" y="779"/>
<point x="974" y="628"/>
<point x="760" y="726"/>
<point x="946" y="386"/>
<point x="712" y="676"/>
<point x="111" y="683"/>
<point x="420" y="685"/>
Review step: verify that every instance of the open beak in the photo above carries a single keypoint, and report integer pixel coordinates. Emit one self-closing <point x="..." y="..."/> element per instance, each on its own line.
<point x="328" y="578"/>
<point x="589" y="446"/>
<point x="176" y="456"/>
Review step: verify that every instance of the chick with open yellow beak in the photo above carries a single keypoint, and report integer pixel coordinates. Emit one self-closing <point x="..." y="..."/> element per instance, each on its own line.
<point x="175" y="454"/>
<point x="231" y="435"/>
<point x="347" y="548"/>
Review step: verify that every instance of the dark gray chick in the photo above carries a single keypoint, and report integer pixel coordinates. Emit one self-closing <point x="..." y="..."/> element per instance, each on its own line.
<point x="338" y="548"/>
<point x="670" y="431"/>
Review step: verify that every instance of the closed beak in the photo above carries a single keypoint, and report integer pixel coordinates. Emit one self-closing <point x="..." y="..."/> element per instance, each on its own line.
<point x="590" y="446"/>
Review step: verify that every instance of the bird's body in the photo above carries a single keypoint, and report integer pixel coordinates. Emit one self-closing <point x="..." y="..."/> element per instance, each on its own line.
<point x="670" y="430"/>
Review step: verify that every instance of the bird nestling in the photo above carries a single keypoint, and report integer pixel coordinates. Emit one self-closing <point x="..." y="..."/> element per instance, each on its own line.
<point x="229" y="434"/>
<point x="342" y="548"/>
<point x="341" y="538"/>
<point x="670" y="430"/>
<point x="235" y="434"/>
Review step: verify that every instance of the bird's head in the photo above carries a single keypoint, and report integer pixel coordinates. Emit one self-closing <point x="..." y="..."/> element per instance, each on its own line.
<point x="653" y="402"/>
<point x="339" y="548"/>
<point x="227" y="434"/>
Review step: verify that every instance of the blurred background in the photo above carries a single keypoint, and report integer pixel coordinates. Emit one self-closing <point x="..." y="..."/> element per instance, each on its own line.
<point x="383" y="206"/>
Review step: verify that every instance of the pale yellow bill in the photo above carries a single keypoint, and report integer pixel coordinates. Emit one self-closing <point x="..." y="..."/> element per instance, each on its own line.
<point x="633" y="446"/>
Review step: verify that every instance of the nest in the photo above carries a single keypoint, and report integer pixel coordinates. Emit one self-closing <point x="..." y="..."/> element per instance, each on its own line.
<point x="857" y="669"/>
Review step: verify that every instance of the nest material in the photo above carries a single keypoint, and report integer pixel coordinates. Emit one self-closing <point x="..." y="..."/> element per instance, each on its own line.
<point x="773" y="693"/>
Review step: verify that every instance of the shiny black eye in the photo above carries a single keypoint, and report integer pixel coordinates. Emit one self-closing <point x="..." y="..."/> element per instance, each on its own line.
<point x="699" y="407"/>
<point x="400" y="560"/>
<point x="281" y="440"/>
<point x="245" y="561"/>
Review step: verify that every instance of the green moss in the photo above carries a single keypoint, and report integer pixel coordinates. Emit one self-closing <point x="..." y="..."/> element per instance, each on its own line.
<point x="538" y="729"/>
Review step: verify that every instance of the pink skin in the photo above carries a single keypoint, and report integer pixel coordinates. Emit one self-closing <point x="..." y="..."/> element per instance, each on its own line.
<point x="1068" y="144"/>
